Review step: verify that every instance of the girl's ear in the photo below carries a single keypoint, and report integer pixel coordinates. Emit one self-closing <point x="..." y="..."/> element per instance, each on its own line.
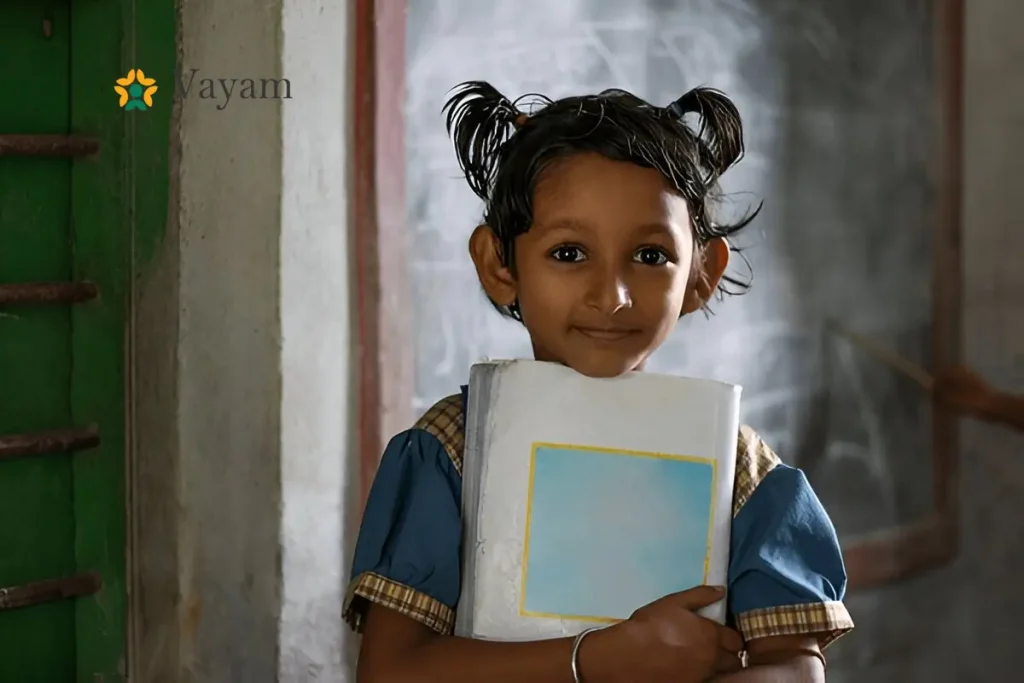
<point x="712" y="260"/>
<point x="495" y="277"/>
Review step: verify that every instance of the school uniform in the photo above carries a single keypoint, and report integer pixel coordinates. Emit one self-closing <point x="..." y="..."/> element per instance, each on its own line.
<point x="786" y="573"/>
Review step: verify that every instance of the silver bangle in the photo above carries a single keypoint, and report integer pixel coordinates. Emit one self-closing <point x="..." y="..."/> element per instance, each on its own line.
<point x="576" y="651"/>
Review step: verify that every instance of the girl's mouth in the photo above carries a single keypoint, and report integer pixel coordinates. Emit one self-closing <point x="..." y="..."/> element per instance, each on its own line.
<point x="606" y="334"/>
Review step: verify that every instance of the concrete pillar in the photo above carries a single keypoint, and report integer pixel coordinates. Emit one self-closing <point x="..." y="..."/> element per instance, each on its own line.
<point x="242" y="405"/>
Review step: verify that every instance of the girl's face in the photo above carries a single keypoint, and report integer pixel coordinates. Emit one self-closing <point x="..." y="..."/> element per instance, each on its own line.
<point x="607" y="267"/>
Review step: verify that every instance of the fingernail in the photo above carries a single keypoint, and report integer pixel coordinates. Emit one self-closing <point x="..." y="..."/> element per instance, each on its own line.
<point x="719" y="589"/>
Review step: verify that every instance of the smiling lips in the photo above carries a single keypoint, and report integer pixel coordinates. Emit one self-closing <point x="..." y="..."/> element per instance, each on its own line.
<point x="606" y="334"/>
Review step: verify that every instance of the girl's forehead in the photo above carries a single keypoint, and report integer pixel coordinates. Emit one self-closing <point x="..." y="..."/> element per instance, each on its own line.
<point x="588" y="173"/>
<point x="590" y="188"/>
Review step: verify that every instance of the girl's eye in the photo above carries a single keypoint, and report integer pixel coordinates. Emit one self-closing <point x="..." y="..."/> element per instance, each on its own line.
<point x="649" y="256"/>
<point x="568" y="254"/>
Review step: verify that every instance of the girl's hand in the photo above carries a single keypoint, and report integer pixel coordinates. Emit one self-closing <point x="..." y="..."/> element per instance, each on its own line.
<point x="962" y="390"/>
<point x="663" y="642"/>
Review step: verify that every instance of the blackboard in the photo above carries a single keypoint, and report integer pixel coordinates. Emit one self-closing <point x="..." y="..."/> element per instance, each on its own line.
<point x="841" y="116"/>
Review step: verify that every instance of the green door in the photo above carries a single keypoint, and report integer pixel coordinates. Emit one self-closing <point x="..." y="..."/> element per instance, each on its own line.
<point x="63" y="291"/>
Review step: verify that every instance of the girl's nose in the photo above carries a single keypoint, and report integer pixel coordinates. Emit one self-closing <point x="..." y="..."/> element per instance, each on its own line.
<point x="608" y="293"/>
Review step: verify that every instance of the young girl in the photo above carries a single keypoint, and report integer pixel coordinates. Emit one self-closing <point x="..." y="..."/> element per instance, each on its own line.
<point x="598" y="235"/>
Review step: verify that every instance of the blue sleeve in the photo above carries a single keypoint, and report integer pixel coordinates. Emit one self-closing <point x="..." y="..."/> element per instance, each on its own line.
<point x="786" y="573"/>
<point x="407" y="554"/>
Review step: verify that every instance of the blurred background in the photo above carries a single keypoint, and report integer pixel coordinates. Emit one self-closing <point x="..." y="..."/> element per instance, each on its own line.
<point x="217" y="307"/>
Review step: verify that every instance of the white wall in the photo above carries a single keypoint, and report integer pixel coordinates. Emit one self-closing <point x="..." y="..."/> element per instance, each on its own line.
<point x="241" y="348"/>
<point x="317" y="414"/>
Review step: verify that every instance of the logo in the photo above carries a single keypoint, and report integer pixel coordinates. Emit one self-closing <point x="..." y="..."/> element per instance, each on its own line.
<point x="136" y="91"/>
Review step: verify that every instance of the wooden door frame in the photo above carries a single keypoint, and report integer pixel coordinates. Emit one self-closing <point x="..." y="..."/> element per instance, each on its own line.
<point x="384" y="343"/>
<point x="385" y="340"/>
<point x="148" y="41"/>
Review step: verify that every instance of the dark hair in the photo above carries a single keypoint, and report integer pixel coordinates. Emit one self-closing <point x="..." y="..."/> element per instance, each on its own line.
<point x="502" y="151"/>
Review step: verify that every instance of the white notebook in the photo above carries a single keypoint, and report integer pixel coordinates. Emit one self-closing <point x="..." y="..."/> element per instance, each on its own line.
<point x="584" y="499"/>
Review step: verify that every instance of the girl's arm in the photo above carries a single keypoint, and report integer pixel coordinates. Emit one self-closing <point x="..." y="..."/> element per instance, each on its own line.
<point x="398" y="649"/>
<point x="662" y="642"/>
<point x="781" y="659"/>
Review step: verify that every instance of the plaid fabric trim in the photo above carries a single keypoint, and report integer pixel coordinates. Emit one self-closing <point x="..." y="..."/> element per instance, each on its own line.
<point x="754" y="460"/>
<point x="444" y="420"/>
<point x="826" y="620"/>
<point x="369" y="587"/>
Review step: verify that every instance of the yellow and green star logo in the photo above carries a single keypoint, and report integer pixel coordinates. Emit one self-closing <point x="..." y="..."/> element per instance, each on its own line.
<point x="136" y="91"/>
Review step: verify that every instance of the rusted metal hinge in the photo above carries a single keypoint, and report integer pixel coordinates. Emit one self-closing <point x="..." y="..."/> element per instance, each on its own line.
<point x="54" y="441"/>
<point x="47" y="146"/>
<point x="20" y="293"/>
<point x="50" y="590"/>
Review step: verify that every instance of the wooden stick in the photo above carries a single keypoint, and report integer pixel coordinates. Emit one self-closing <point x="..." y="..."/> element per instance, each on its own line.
<point x="887" y="356"/>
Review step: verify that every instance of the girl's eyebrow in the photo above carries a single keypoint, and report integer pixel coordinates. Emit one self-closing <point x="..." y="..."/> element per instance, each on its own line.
<point x="646" y="229"/>
<point x="576" y="225"/>
<point x="569" y="224"/>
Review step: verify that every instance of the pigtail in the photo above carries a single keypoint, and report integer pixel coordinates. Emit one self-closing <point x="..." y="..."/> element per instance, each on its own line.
<point x="719" y="142"/>
<point x="480" y="120"/>
<point x="720" y="135"/>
